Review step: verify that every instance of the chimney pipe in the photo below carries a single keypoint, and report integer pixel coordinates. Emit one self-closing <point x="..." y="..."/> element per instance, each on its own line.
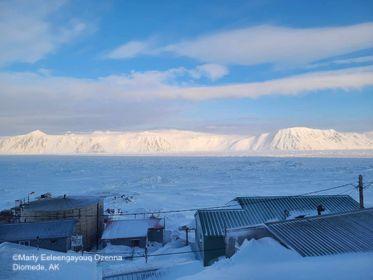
<point x="361" y="191"/>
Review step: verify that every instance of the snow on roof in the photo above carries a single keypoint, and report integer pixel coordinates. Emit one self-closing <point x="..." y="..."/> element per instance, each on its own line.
<point x="30" y="231"/>
<point x="130" y="228"/>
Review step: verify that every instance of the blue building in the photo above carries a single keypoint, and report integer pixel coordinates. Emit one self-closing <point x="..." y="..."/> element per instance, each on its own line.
<point x="53" y="235"/>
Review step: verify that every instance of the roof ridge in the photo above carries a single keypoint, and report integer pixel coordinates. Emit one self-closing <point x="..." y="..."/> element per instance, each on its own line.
<point x="322" y="216"/>
<point x="291" y="196"/>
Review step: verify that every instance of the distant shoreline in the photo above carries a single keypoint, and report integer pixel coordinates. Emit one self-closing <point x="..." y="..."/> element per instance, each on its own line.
<point x="289" y="154"/>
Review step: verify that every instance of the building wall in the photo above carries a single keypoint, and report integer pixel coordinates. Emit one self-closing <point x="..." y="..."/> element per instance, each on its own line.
<point x="199" y="239"/>
<point x="89" y="221"/>
<point x="214" y="247"/>
<point x="155" y="235"/>
<point x="127" y="241"/>
<point x="54" y="244"/>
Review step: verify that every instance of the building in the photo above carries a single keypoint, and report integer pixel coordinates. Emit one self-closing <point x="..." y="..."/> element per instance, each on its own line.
<point x="133" y="233"/>
<point x="52" y="235"/>
<point x="210" y="231"/>
<point x="86" y="210"/>
<point x="212" y="225"/>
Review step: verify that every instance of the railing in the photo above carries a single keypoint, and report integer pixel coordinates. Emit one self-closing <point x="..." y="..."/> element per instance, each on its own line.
<point x="148" y="274"/>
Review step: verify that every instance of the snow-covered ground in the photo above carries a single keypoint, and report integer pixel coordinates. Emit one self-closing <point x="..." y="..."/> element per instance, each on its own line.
<point x="136" y="184"/>
<point x="12" y="266"/>
<point x="266" y="259"/>
<point x="190" y="142"/>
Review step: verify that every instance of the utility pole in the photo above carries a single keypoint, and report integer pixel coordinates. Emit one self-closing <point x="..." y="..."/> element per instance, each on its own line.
<point x="186" y="229"/>
<point x="187" y="236"/>
<point x="361" y="191"/>
<point x="146" y="253"/>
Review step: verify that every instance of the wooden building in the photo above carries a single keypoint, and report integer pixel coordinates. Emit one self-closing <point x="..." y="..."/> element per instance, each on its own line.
<point x="86" y="210"/>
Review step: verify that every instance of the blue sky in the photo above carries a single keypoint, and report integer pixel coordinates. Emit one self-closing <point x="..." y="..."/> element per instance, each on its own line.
<point x="240" y="67"/>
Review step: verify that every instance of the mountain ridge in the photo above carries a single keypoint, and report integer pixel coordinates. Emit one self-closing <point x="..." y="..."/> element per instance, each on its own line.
<point x="183" y="141"/>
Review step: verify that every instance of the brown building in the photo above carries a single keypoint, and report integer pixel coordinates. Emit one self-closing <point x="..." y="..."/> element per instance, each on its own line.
<point x="86" y="210"/>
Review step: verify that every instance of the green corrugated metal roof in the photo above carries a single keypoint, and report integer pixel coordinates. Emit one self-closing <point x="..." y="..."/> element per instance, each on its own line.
<point x="266" y="208"/>
<point x="327" y="234"/>
<point x="261" y="209"/>
<point x="214" y="222"/>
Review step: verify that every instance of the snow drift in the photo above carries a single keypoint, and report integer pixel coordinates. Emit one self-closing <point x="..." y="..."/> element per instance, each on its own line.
<point x="178" y="141"/>
<point x="266" y="259"/>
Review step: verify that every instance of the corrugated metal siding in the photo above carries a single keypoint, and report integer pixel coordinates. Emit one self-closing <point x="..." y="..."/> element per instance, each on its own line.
<point x="329" y="234"/>
<point x="263" y="209"/>
<point x="214" y="222"/>
<point x="30" y="231"/>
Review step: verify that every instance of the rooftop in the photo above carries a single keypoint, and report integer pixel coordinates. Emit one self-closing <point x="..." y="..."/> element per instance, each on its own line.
<point x="269" y="208"/>
<point x="43" y="230"/>
<point x="130" y="228"/>
<point x="327" y="234"/>
<point x="61" y="203"/>
<point x="214" y="222"/>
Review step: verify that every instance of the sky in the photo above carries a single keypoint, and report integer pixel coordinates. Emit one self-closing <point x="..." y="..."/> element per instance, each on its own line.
<point x="235" y="67"/>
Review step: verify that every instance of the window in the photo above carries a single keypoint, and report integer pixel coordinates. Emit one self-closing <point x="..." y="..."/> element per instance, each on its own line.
<point x="135" y="243"/>
<point x="25" y="243"/>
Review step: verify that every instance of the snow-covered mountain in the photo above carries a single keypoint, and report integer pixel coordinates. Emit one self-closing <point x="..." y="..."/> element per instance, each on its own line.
<point x="178" y="141"/>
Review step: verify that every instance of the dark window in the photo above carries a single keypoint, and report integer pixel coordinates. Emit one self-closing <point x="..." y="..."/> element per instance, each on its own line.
<point x="135" y="243"/>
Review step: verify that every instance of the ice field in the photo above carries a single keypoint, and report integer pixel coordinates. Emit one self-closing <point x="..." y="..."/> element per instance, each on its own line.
<point x="172" y="183"/>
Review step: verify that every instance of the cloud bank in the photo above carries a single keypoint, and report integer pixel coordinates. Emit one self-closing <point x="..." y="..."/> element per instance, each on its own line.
<point x="142" y="86"/>
<point x="263" y="44"/>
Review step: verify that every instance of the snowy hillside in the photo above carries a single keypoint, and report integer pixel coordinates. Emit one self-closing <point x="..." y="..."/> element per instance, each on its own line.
<point x="177" y="141"/>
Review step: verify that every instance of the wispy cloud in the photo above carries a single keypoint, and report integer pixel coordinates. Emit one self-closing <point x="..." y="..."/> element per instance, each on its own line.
<point x="28" y="32"/>
<point x="153" y="98"/>
<point x="211" y="71"/>
<point x="142" y="86"/>
<point x="267" y="44"/>
<point x="129" y="50"/>
<point x="353" y="60"/>
<point x="350" y="79"/>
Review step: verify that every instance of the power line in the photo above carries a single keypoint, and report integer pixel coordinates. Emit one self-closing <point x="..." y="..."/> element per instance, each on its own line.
<point x="157" y="255"/>
<point x="190" y="209"/>
<point x="328" y="189"/>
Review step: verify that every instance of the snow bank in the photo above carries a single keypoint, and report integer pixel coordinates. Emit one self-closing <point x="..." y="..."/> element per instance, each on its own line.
<point x="267" y="259"/>
<point x="9" y="252"/>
